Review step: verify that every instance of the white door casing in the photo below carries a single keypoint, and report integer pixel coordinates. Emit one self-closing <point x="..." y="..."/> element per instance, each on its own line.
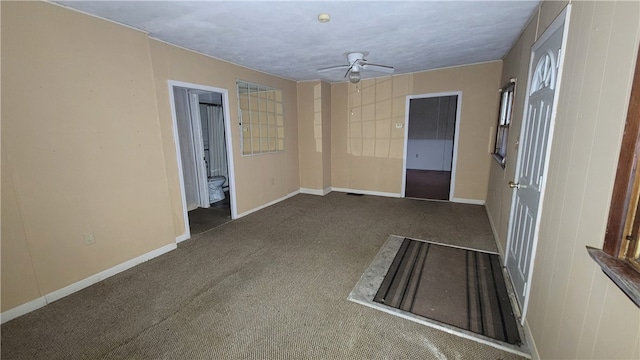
<point x="178" y="144"/>
<point x="545" y="72"/>
<point x="456" y="135"/>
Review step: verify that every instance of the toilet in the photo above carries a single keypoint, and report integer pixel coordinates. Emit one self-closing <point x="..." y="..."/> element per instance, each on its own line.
<point x="215" y="188"/>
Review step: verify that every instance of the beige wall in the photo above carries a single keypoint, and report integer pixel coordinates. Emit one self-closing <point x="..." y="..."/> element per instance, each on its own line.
<point x="82" y="150"/>
<point x="19" y="283"/>
<point x="310" y="135"/>
<point x="339" y="119"/>
<point x="575" y="311"/>
<point x="87" y="146"/>
<point x="325" y="90"/>
<point x="314" y="134"/>
<point x="259" y="178"/>
<point x="368" y="149"/>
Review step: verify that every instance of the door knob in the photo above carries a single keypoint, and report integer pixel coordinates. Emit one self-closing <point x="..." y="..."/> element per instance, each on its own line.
<point x="514" y="185"/>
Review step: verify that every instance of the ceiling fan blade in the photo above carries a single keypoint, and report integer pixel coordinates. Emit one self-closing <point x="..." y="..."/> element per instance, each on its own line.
<point x="380" y="68"/>
<point x="340" y="67"/>
<point x="348" y="71"/>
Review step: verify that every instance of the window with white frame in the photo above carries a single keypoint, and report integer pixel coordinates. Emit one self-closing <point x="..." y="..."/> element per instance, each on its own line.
<point x="261" y="118"/>
<point x="507" y="93"/>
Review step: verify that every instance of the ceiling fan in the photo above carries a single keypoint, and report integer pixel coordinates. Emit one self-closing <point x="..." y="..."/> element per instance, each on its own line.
<point x="357" y="63"/>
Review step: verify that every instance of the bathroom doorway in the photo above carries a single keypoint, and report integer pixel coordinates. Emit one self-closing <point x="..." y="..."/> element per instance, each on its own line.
<point x="203" y="146"/>
<point x="431" y="145"/>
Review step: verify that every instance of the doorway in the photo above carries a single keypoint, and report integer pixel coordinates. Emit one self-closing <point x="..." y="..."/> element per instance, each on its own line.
<point x="202" y="134"/>
<point x="430" y="143"/>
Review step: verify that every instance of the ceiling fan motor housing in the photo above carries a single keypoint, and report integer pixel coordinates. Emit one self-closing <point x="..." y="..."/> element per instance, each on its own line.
<point x="355" y="56"/>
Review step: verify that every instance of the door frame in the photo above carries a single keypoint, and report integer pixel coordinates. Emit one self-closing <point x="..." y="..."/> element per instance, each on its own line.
<point x="561" y="20"/>
<point x="229" y="143"/>
<point x="456" y="135"/>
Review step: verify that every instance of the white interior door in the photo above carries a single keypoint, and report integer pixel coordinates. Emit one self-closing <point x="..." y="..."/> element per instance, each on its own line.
<point x="533" y="156"/>
<point x="198" y="150"/>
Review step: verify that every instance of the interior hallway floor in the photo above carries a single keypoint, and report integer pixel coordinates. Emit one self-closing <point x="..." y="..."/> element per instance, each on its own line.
<point x="201" y="219"/>
<point x="270" y="285"/>
<point x="428" y="184"/>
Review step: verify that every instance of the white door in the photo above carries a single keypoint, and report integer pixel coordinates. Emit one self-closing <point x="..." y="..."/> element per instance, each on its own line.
<point x="198" y="150"/>
<point x="533" y="155"/>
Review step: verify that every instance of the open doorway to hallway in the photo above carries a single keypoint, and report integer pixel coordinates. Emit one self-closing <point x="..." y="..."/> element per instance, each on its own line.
<point x="431" y="134"/>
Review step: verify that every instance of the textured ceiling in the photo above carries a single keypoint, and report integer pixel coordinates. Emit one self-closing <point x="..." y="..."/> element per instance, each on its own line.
<point x="285" y="38"/>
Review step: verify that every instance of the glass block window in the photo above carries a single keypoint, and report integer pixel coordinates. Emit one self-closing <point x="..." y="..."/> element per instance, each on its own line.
<point x="260" y="117"/>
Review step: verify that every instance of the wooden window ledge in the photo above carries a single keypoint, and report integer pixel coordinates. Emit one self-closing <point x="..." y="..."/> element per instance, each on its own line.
<point x="625" y="276"/>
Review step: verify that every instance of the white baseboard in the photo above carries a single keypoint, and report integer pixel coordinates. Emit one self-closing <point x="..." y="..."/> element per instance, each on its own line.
<point x="183" y="237"/>
<point x="530" y="341"/>
<point x="367" y="192"/>
<point x="77" y="286"/>
<point x="315" y="191"/>
<point x="23" y="309"/>
<point x="494" y="230"/>
<point x="268" y="204"/>
<point x="68" y="290"/>
<point x="468" y="201"/>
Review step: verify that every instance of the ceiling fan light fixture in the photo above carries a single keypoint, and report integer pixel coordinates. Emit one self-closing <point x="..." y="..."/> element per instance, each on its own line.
<point x="354" y="77"/>
<point x="355" y="64"/>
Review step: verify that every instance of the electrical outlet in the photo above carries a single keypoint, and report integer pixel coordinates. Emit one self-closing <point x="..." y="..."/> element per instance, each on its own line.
<point x="89" y="238"/>
<point x="399" y="125"/>
<point x="273" y="181"/>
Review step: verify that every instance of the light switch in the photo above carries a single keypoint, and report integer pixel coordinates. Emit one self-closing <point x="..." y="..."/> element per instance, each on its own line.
<point x="399" y="125"/>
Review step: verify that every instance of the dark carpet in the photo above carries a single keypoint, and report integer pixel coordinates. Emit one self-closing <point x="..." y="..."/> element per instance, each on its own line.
<point x="270" y="285"/>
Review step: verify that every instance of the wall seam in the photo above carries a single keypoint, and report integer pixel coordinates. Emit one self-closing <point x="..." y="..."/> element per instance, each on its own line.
<point x="606" y="293"/>
<point x="21" y="214"/>
<point x="156" y="101"/>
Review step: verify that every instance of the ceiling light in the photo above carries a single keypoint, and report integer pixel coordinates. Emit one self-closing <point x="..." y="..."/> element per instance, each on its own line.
<point x="354" y="77"/>
<point x="324" y="18"/>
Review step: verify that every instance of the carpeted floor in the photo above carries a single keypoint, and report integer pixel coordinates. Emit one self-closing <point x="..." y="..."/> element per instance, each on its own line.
<point x="271" y="285"/>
